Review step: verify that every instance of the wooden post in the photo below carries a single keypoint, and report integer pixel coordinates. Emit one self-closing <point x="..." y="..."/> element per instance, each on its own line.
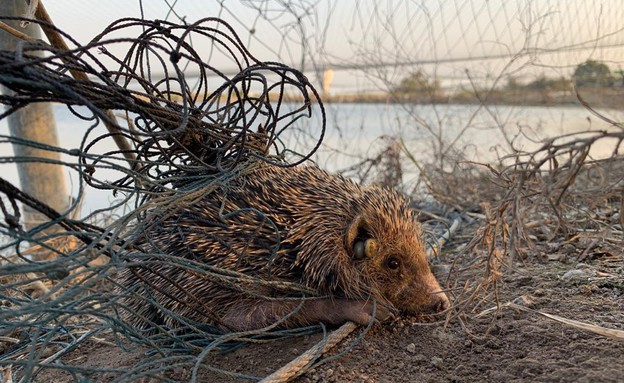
<point x="35" y="122"/>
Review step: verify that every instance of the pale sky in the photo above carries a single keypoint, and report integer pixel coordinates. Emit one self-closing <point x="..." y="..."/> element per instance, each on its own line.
<point x="454" y="34"/>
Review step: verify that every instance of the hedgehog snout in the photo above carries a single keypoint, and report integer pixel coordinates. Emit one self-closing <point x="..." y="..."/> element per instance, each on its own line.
<point x="439" y="303"/>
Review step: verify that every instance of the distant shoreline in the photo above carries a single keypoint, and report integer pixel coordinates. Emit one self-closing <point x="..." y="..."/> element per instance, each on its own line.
<point x="607" y="98"/>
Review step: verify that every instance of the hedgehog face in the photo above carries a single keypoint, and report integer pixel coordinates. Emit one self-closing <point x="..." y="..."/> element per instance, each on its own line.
<point x="390" y="254"/>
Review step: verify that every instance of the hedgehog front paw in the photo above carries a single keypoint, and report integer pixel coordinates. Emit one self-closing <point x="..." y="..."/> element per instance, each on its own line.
<point x="360" y="312"/>
<point x="252" y="315"/>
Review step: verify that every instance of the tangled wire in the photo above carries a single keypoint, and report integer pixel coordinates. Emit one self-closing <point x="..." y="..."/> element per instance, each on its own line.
<point x="176" y="134"/>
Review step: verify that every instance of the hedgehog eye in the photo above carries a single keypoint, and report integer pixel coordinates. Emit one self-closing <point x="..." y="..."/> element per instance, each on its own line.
<point x="393" y="263"/>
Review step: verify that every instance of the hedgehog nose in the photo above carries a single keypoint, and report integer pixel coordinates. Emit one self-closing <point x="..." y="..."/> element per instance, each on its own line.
<point x="440" y="303"/>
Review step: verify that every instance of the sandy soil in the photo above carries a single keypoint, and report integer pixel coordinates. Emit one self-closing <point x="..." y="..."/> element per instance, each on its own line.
<point x="501" y="346"/>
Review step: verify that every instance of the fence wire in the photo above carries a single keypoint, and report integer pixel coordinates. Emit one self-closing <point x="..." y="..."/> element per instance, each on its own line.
<point x="189" y="134"/>
<point x="56" y="291"/>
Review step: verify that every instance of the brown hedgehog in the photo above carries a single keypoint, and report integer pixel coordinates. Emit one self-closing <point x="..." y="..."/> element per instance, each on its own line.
<point x="345" y="245"/>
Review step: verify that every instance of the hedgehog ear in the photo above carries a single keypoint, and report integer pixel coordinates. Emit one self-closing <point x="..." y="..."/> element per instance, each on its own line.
<point x="354" y="232"/>
<point x="358" y="240"/>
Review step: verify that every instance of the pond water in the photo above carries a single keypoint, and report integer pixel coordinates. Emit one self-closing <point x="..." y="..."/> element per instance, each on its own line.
<point x="353" y="132"/>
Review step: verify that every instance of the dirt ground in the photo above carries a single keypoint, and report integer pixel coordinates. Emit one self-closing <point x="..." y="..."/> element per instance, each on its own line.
<point x="499" y="346"/>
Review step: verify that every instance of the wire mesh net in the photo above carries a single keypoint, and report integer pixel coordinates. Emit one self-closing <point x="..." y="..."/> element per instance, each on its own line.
<point x="191" y="127"/>
<point x="56" y="288"/>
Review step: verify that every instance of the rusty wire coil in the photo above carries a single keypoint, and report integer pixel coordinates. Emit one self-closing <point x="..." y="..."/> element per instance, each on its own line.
<point x="182" y="134"/>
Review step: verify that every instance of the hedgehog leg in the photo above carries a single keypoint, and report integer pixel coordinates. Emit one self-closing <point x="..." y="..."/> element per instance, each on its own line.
<point x="257" y="314"/>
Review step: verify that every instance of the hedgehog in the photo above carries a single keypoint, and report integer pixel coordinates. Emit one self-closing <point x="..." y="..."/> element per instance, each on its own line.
<point x="283" y="247"/>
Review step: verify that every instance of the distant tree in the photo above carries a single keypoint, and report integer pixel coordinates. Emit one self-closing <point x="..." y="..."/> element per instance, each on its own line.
<point x="620" y="77"/>
<point x="593" y="73"/>
<point x="549" y="84"/>
<point x="512" y="83"/>
<point x="560" y="84"/>
<point x="541" y="83"/>
<point x="417" y="83"/>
